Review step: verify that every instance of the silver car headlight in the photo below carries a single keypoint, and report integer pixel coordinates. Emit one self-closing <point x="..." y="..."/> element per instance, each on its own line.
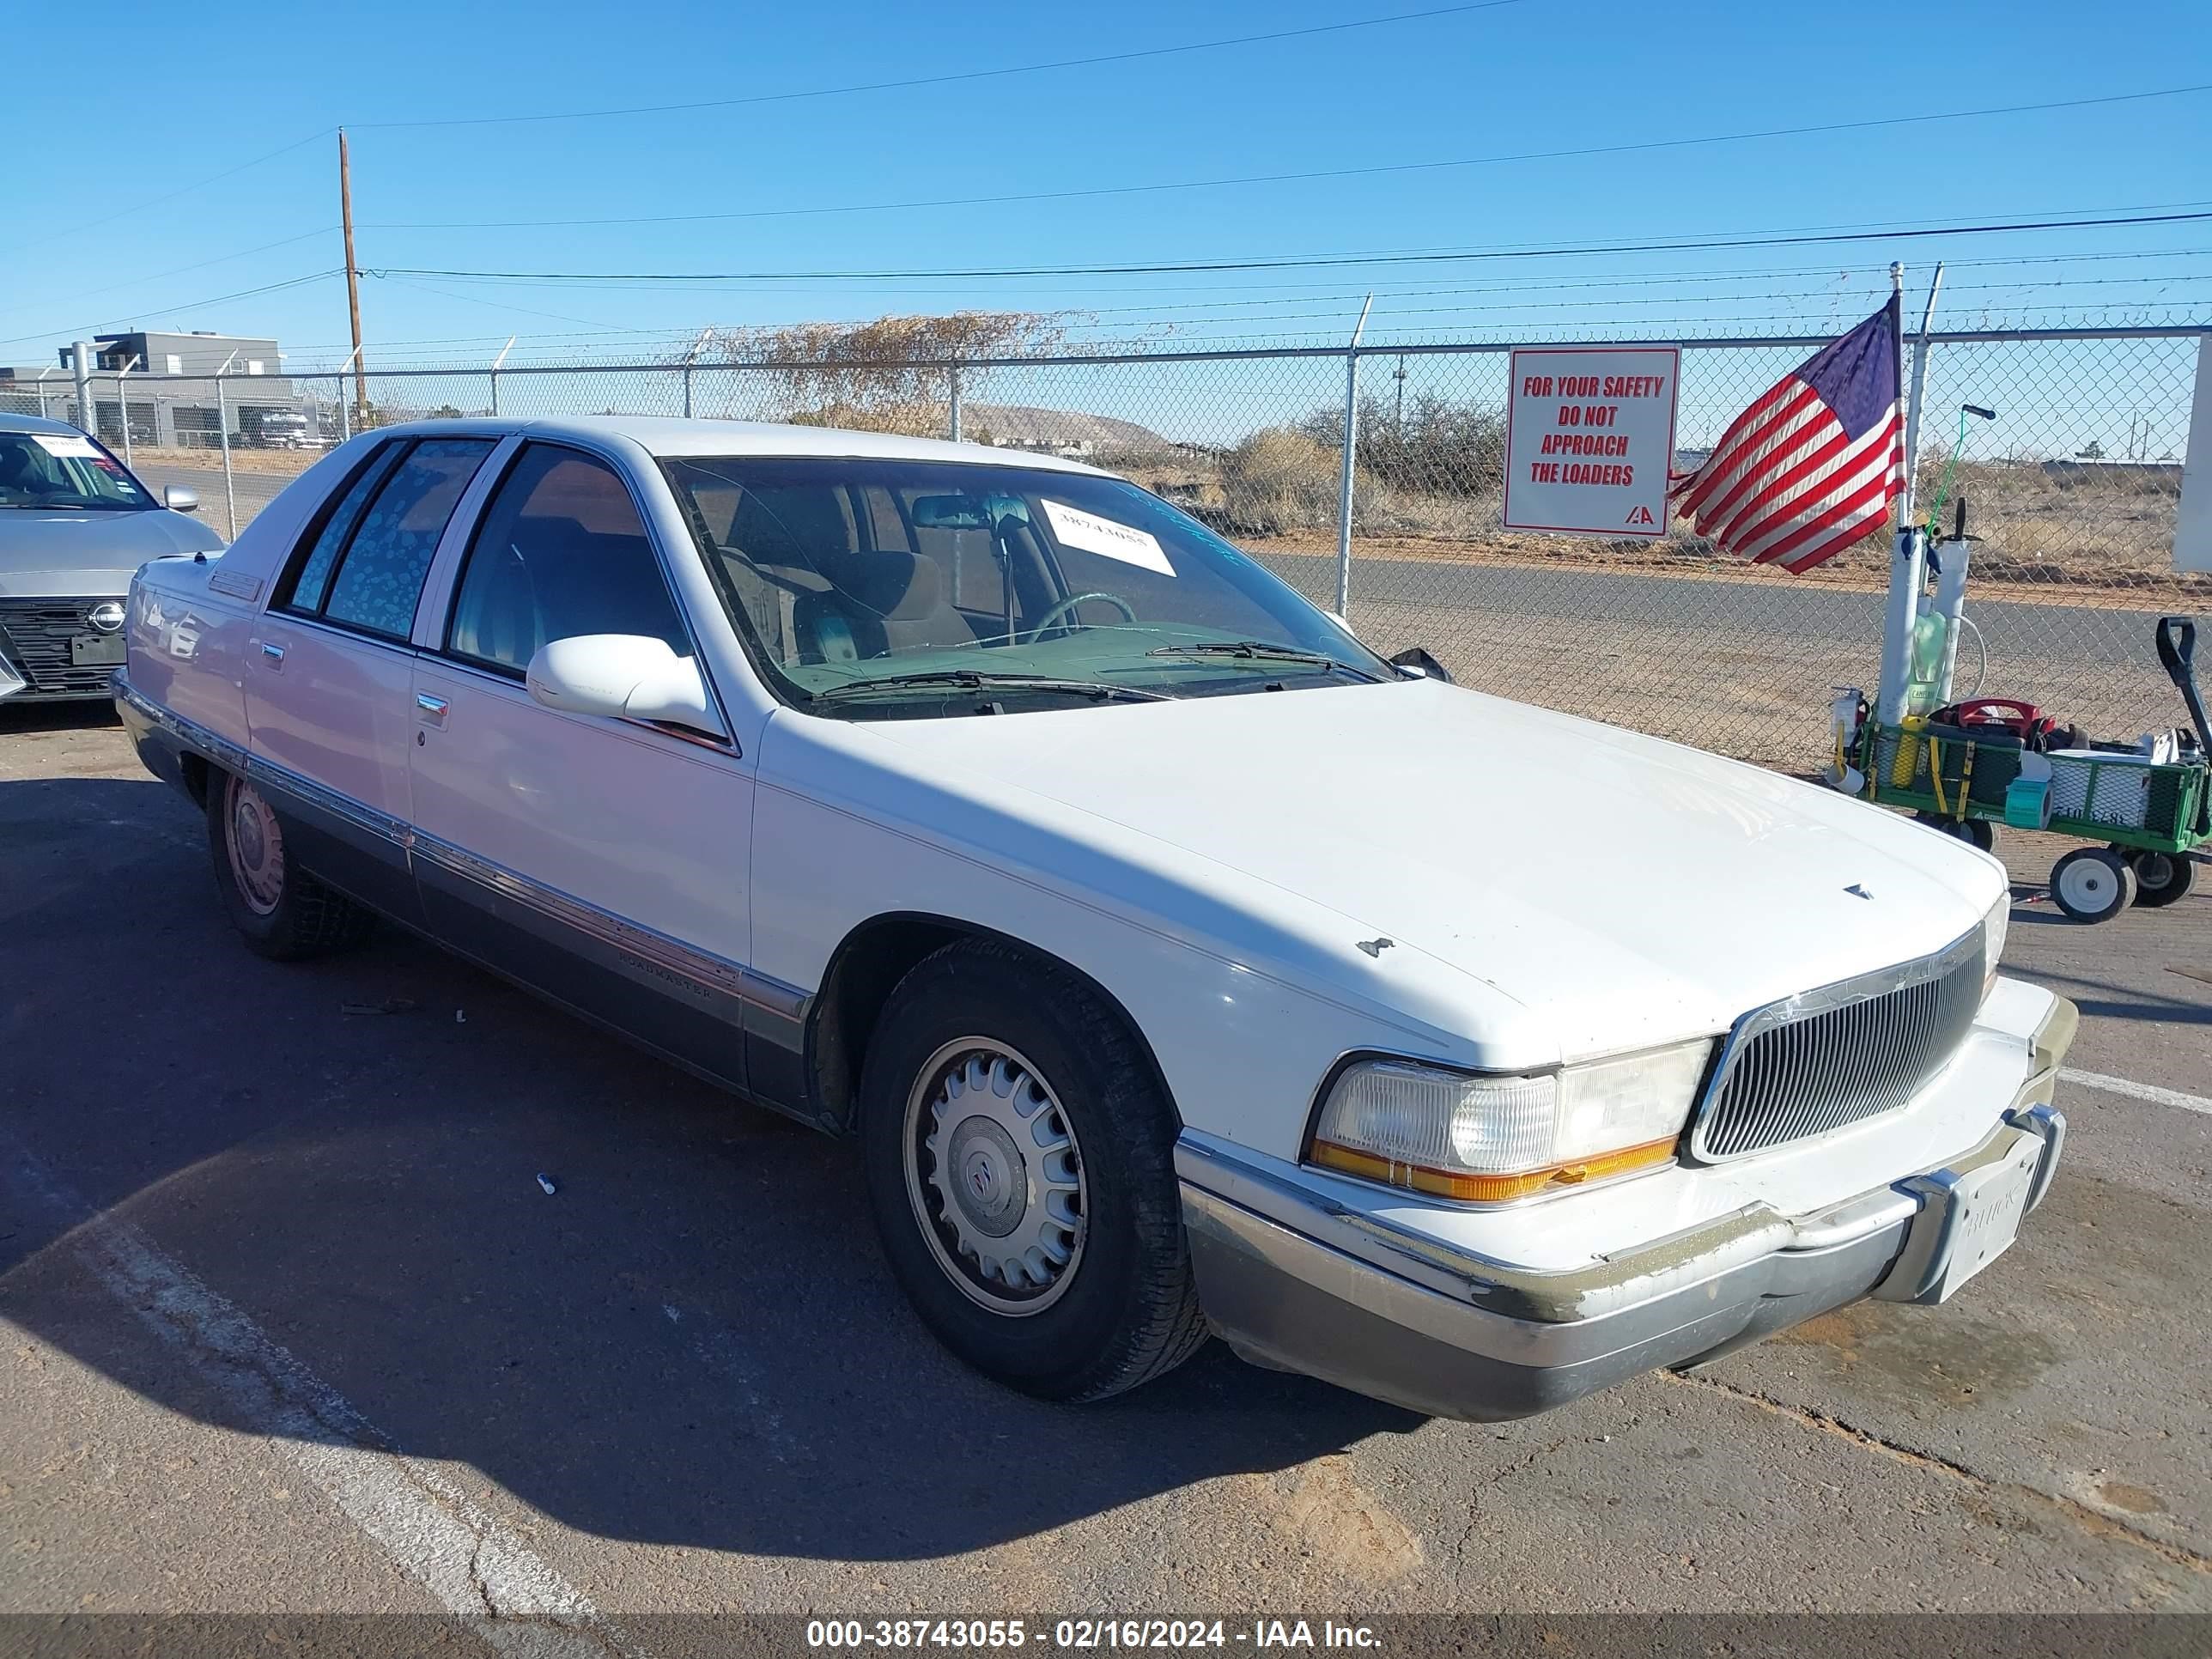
<point x="1489" y="1139"/>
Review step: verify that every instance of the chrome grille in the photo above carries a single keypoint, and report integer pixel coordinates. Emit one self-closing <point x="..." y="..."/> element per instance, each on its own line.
<point x="35" y="636"/>
<point x="1839" y="1055"/>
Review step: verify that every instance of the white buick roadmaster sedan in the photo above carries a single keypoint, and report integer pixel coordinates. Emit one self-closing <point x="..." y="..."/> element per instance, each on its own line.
<point x="1178" y="963"/>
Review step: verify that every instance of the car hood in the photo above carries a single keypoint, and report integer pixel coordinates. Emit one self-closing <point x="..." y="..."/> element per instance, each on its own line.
<point x="67" y="555"/>
<point x="1621" y="888"/>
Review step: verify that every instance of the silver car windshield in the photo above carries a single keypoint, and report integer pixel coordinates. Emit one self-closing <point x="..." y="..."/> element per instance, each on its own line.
<point x="876" y="588"/>
<point x="61" y="470"/>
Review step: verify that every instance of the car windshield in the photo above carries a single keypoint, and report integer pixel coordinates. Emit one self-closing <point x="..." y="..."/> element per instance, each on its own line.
<point x="875" y="588"/>
<point x="65" y="470"/>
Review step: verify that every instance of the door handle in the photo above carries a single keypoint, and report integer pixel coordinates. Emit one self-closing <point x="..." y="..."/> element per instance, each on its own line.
<point x="272" y="654"/>
<point x="430" y="710"/>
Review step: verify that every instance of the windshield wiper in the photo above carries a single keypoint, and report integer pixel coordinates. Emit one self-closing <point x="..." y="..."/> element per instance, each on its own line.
<point x="976" y="680"/>
<point x="1261" y="651"/>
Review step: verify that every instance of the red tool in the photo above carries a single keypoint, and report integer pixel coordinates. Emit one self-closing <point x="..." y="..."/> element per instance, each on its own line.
<point x="2024" y="721"/>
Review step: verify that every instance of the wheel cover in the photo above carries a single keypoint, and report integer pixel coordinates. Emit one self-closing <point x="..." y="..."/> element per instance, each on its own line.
<point x="255" y="846"/>
<point x="2154" y="871"/>
<point x="2088" y="884"/>
<point x="995" y="1176"/>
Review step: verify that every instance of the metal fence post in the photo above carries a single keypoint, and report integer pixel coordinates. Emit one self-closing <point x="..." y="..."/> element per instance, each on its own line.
<point x="123" y="405"/>
<point x="42" y="372"/>
<point x="345" y="415"/>
<point x="1351" y="460"/>
<point x="222" y="432"/>
<point x="952" y="400"/>
<point x="689" y="358"/>
<point x="81" y="365"/>
<point x="495" y="363"/>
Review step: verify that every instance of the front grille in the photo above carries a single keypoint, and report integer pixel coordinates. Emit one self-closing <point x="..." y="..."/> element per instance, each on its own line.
<point x="1839" y="1056"/>
<point x="35" y="636"/>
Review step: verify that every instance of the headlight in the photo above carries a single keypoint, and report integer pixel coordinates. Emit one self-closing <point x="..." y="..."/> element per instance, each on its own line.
<point x="1490" y="1139"/>
<point x="1993" y="937"/>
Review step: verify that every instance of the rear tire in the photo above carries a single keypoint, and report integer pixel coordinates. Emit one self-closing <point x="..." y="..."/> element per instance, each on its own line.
<point x="2161" y="878"/>
<point x="282" y="912"/>
<point x="1019" y="1155"/>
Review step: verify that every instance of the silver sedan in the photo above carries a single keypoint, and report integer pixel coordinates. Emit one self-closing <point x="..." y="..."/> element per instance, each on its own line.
<point x="74" y="525"/>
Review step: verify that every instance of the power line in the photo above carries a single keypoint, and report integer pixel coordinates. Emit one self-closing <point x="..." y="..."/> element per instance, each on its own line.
<point x="947" y="79"/>
<point x="220" y="298"/>
<point x="1095" y="191"/>
<point x="1289" y="262"/>
<point x="78" y="229"/>
<point x="221" y="258"/>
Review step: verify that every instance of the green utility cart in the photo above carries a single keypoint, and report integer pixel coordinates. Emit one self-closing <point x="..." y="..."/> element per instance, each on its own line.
<point x="2150" y="817"/>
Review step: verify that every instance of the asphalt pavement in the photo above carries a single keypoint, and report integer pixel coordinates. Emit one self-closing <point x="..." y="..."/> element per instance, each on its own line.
<point x="292" y="1327"/>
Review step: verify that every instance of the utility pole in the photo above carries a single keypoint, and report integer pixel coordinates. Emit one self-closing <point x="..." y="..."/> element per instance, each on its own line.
<point x="353" y="281"/>
<point x="1399" y="377"/>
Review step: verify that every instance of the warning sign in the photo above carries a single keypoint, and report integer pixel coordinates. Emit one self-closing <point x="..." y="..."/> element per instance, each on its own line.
<point x="1590" y="436"/>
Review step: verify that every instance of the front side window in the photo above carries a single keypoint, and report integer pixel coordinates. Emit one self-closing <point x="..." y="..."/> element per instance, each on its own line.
<point x="365" y="563"/>
<point x="560" y="551"/>
<point x="54" y="472"/>
<point x="866" y="586"/>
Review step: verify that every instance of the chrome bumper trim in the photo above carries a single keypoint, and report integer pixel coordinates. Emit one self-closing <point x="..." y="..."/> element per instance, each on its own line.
<point x="1292" y="1279"/>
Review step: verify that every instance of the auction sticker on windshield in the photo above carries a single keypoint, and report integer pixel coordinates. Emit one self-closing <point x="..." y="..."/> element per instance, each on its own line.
<point x="65" y="444"/>
<point x="1076" y="528"/>
<point x="1589" y="438"/>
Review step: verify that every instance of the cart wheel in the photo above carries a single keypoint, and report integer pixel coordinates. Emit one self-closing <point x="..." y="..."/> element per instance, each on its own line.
<point x="2093" y="885"/>
<point x="1978" y="832"/>
<point x="2161" y="878"/>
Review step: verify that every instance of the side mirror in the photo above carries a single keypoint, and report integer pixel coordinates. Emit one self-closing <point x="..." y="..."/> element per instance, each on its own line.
<point x="624" y="677"/>
<point x="1419" y="665"/>
<point x="178" y="499"/>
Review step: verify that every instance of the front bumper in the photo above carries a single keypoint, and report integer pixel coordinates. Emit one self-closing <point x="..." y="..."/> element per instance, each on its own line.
<point x="1293" y="1280"/>
<point x="37" y="663"/>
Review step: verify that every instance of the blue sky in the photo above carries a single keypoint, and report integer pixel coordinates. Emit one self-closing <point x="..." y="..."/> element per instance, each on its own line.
<point x="87" y="239"/>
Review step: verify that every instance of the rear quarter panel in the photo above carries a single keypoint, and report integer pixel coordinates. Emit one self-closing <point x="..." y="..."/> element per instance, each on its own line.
<point x="186" y="645"/>
<point x="191" y="620"/>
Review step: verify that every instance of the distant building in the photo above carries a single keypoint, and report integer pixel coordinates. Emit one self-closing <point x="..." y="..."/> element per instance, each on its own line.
<point x="197" y="353"/>
<point x="169" y="390"/>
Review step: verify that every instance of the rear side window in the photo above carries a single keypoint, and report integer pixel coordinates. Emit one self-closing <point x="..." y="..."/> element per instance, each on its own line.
<point x="366" y="564"/>
<point x="313" y="581"/>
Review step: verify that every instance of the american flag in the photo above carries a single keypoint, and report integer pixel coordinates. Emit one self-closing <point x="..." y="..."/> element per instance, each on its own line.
<point x="1814" y="463"/>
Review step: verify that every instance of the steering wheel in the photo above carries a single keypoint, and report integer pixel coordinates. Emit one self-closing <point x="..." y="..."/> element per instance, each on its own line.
<point x="1057" y="616"/>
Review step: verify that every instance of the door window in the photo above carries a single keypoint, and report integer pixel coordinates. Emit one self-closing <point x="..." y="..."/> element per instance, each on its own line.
<point x="560" y="551"/>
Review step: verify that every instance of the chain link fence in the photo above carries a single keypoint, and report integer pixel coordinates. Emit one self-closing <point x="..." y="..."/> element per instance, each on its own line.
<point x="2074" y="490"/>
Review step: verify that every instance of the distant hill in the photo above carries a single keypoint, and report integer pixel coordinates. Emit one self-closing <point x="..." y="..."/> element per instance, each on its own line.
<point x="1020" y="426"/>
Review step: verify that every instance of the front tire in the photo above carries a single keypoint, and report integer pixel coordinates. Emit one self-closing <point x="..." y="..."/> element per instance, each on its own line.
<point x="1019" y="1155"/>
<point x="280" y="910"/>
<point x="2093" y="885"/>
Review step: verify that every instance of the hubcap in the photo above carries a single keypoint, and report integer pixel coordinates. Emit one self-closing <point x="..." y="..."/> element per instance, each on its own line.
<point x="255" y="846"/>
<point x="995" y="1176"/>
<point x="2088" y="885"/>
<point x="2154" y="871"/>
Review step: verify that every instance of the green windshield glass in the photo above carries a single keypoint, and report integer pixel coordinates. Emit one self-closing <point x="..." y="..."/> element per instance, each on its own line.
<point x="865" y="583"/>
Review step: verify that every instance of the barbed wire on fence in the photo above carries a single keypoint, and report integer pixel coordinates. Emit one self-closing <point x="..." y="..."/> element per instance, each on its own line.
<point x="2074" y="489"/>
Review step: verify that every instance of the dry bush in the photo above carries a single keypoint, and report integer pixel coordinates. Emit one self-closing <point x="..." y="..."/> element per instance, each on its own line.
<point x="1280" y="480"/>
<point x="875" y="376"/>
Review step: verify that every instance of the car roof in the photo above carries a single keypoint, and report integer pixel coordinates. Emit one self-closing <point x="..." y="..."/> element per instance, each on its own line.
<point x="672" y="436"/>
<point x="36" y="424"/>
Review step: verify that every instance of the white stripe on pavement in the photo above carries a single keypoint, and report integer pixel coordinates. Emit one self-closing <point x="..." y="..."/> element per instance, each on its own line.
<point x="476" y="1568"/>
<point x="2120" y="1086"/>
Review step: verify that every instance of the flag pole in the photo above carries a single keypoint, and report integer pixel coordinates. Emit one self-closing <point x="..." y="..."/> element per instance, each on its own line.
<point x="1907" y="566"/>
